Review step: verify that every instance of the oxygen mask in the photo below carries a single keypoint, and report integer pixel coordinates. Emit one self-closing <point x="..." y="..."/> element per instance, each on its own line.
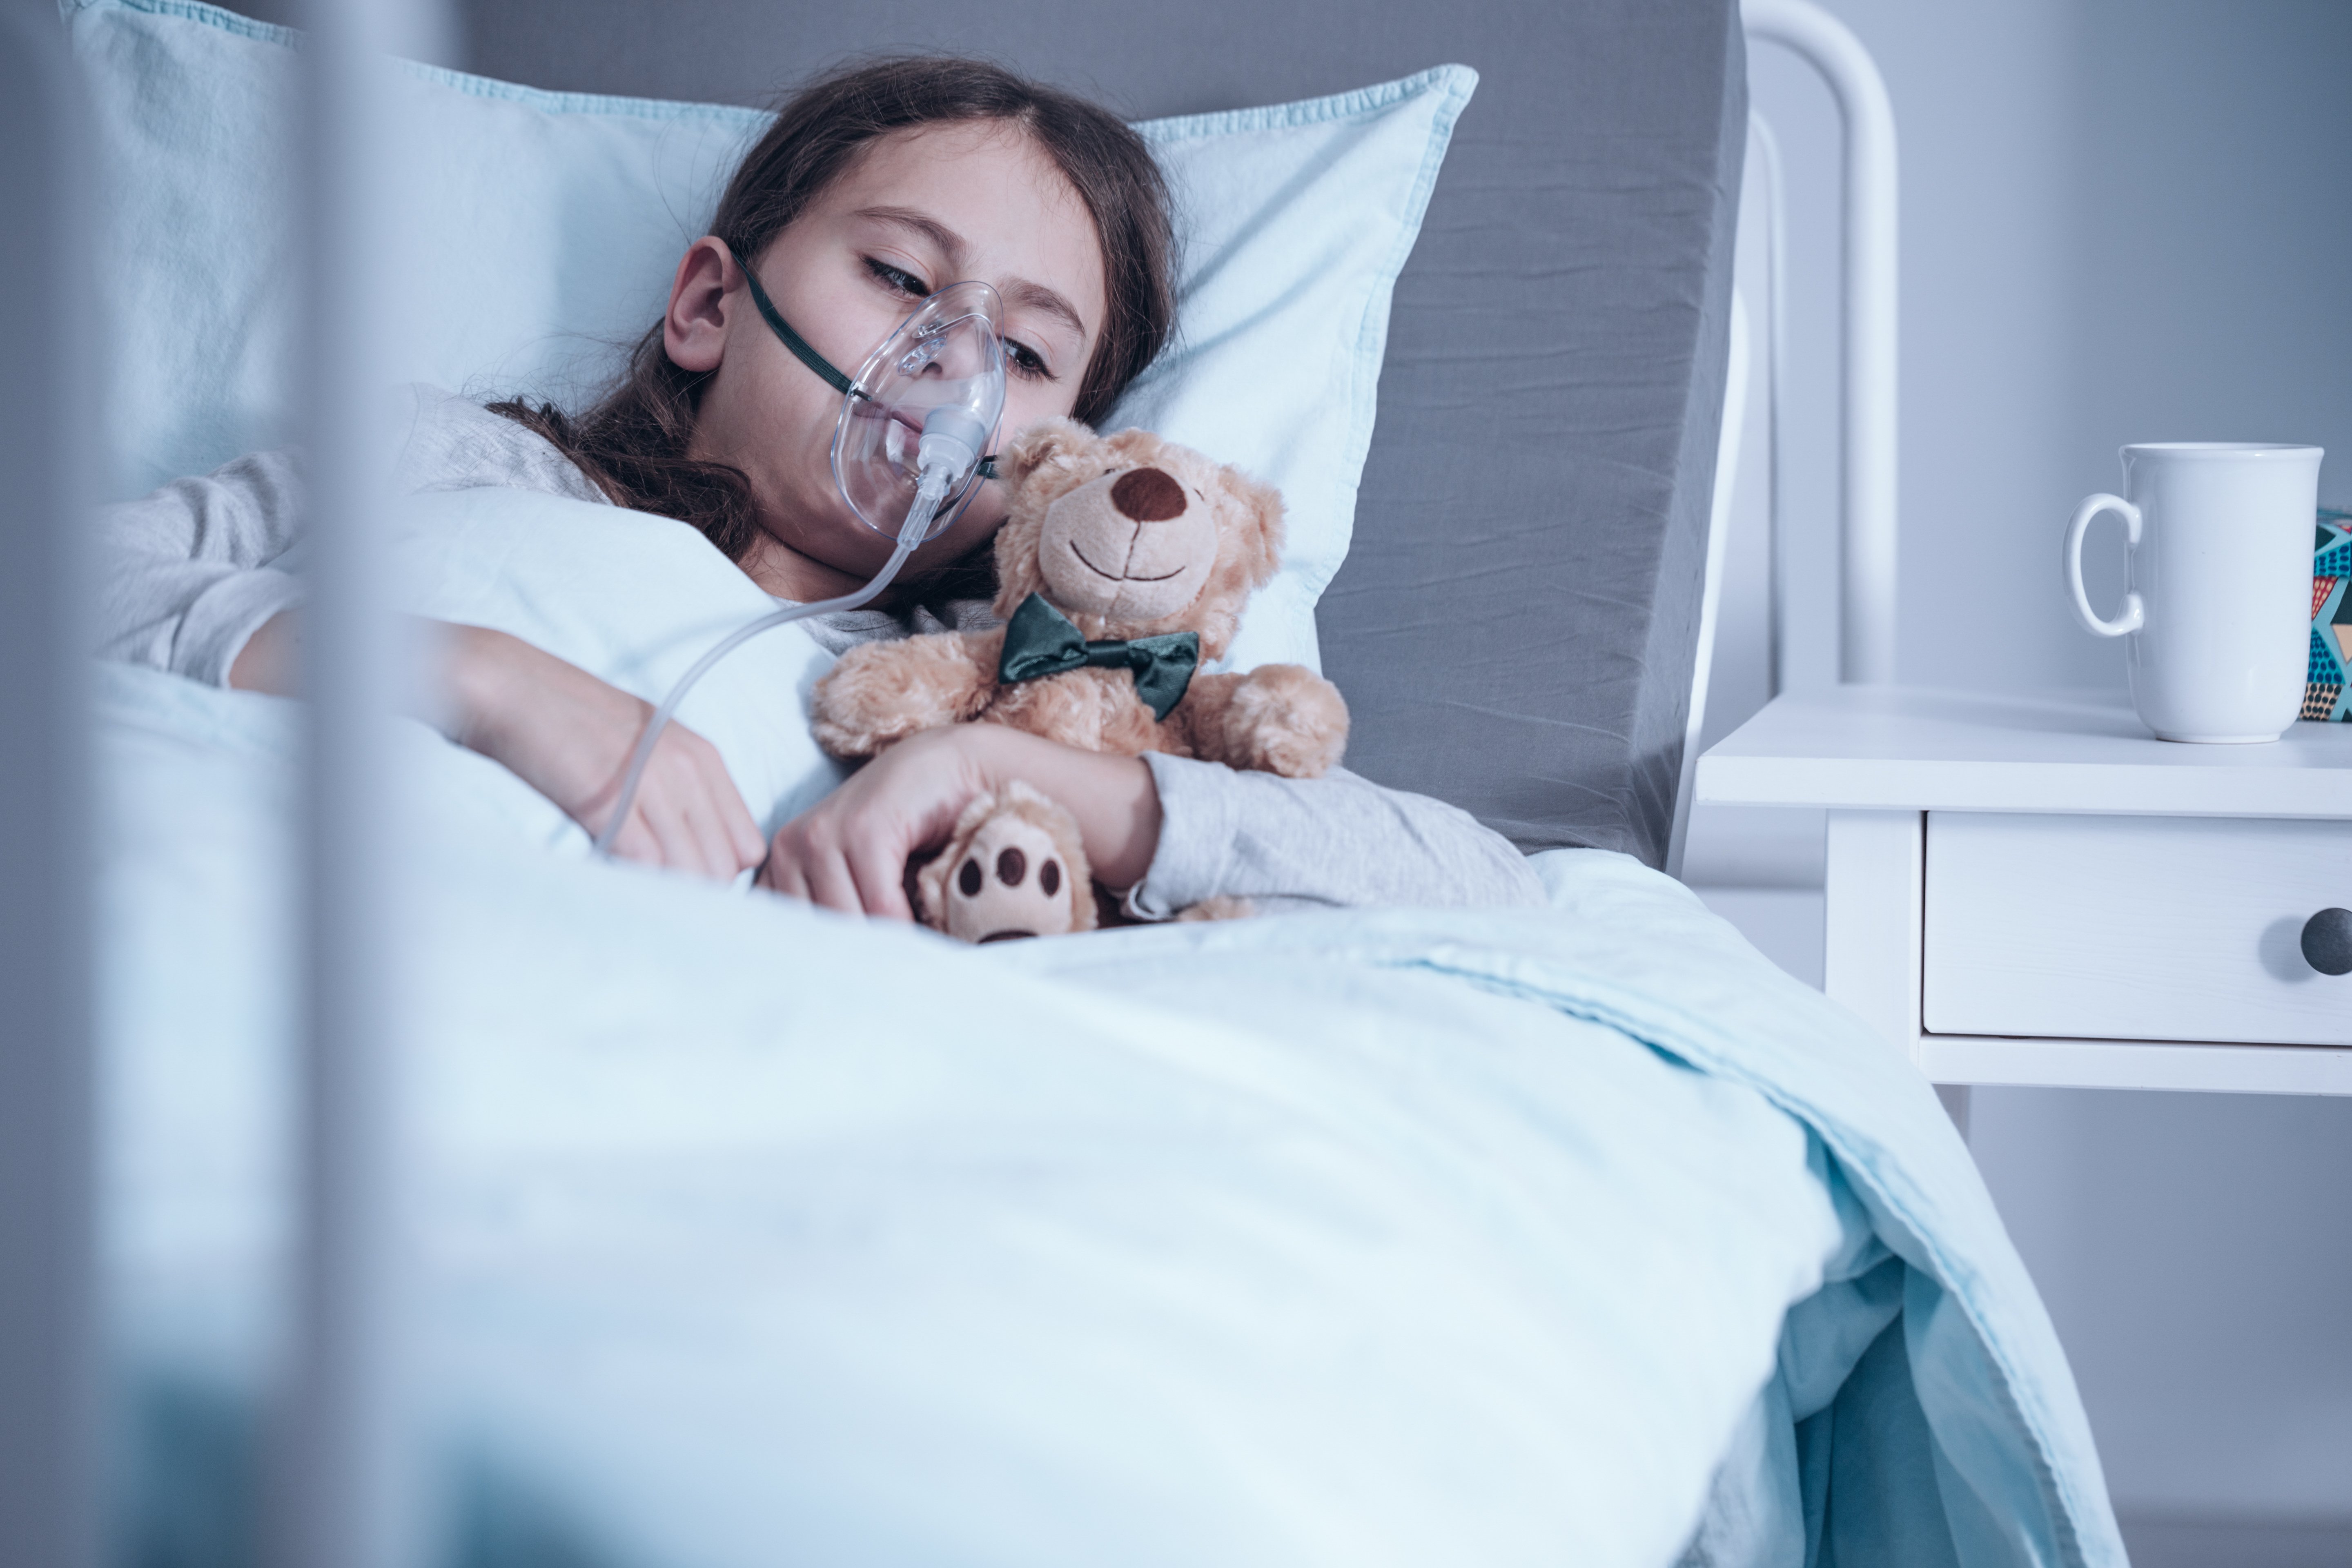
<point x="931" y="395"/>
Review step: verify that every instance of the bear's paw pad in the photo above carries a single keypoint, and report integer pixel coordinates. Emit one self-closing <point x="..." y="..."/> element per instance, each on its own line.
<point x="1009" y="882"/>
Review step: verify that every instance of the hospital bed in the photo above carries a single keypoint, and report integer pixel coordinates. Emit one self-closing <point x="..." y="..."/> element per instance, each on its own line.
<point x="739" y="1234"/>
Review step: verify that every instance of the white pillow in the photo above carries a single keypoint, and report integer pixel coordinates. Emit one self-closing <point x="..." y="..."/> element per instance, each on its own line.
<point x="633" y="599"/>
<point x="558" y="220"/>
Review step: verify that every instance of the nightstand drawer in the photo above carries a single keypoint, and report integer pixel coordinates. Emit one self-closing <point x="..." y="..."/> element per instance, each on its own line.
<point x="2146" y="928"/>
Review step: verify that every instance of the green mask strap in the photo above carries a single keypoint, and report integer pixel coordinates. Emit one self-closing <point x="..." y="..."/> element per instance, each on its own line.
<point x="793" y="339"/>
<point x="807" y="355"/>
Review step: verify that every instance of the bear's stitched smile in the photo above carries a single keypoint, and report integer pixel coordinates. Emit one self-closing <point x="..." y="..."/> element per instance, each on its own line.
<point x="1119" y="576"/>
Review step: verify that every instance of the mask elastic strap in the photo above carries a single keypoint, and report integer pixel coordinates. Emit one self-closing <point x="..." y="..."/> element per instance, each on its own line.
<point x="807" y="355"/>
<point x="793" y="339"/>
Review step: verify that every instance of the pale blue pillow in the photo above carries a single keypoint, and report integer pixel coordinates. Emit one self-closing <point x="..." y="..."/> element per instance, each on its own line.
<point x="556" y="220"/>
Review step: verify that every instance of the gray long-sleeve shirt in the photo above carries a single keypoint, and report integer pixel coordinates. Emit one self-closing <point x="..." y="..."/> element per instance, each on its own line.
<point x="193" y="570"/>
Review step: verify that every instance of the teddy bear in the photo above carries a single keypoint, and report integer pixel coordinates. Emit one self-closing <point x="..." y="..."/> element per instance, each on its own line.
<point x="1123" y="565"/>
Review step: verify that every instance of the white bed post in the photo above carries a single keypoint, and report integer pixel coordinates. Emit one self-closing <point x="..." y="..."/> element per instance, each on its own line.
<point x="1710" y="602"/>
<point x="1776" y="393"/>
<point x="49" y="1376"/>
<point x="345" y="1487"/>
<point x="1867" y="559"/>
<point x="1867" y="534"/>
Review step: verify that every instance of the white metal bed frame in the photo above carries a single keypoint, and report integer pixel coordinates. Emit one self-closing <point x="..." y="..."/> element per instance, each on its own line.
<point x="341" y="1495"/>
<point x="49" y="1347"/>
<point x="1867" y="406"/>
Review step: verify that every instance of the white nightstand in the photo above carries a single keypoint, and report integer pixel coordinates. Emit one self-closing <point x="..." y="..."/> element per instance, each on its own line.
<point x="2031" y="892"/>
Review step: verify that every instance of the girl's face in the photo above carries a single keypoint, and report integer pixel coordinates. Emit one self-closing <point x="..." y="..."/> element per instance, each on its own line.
<point x="916" y="211"/>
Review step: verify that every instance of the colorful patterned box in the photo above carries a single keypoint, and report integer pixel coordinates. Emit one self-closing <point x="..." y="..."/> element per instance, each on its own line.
<point x="2331" y="619"/>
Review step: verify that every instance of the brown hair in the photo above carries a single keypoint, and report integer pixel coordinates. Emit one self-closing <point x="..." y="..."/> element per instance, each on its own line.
<point x="632" y="442"/>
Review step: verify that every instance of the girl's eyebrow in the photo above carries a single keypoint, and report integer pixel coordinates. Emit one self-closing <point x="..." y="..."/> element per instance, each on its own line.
<point x="946" y="241"/>
<point x="951" y="246"/>
<point x="1039" y="297"/>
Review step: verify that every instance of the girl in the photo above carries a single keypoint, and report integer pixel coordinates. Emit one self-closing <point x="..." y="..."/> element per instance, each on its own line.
<point x="873" y="188"/>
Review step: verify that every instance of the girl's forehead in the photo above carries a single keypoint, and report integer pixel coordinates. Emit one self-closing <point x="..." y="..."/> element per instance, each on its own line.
<point x="986" y="166"/>
<point x="986" y="195"/>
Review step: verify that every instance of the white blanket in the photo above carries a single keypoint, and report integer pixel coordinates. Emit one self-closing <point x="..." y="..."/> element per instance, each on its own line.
<point x="750" y="1233"/>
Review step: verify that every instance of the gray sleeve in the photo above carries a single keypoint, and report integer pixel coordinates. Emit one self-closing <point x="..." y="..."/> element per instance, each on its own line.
<point x="192" y="571"/>
<point x="1337" y="841"/>
<point x="188" y="574"/>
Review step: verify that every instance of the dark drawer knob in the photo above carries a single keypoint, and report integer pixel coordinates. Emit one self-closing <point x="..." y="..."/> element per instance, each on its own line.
<point x="2327" y="942"/>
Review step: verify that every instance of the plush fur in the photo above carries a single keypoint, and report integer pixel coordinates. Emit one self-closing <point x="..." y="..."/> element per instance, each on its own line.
<point x="1129" y="536"/>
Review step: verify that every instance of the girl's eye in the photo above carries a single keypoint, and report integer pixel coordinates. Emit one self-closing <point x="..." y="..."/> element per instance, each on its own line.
<point x="897" y="280"/>
<point x="1026" y="361"/>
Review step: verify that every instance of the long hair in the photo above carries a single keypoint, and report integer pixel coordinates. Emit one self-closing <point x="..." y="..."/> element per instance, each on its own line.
<point x="632" y="442"/>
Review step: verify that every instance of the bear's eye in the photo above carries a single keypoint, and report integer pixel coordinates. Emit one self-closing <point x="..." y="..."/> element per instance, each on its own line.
<point x="1049" y="878"/>
<point x="970" y="879"/>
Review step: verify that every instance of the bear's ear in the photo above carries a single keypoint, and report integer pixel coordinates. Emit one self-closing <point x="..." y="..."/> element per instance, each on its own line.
<point x="1136" y="446"/>
<point x="1253" y="523"/>
<point x="1047" y="441"/>
<point x="1249" y="548"/>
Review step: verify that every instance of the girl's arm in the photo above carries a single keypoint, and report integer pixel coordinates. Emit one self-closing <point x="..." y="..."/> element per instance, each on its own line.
<point x="190" y="572"/>
<point x="194" y="584"/>
<point x="849" y="851"/>
<point x="1177" y="832"/>
<point x="569" y="736"/>
<point x="565" y="734"/>
<point x="1334" y="842"/>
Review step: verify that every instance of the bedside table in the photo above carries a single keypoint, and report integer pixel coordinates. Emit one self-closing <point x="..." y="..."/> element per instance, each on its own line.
<point x="2030" y="890"/>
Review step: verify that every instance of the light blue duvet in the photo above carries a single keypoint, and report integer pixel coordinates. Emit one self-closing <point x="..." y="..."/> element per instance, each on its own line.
<point x="753" y="1236"/>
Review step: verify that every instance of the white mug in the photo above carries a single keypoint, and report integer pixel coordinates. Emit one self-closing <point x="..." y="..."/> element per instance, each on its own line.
<point x="2218" y="619"/>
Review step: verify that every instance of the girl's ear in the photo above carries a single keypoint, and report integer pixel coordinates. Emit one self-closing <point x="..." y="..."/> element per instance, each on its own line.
<point x="694" y="328"/>
<point x="1042" y="443"/>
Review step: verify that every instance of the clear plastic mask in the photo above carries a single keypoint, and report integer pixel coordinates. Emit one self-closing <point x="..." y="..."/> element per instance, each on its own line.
<point x="949" y="355"/>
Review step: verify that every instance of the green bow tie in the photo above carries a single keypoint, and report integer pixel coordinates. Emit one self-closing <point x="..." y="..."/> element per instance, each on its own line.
<point x="1041" y="641"/>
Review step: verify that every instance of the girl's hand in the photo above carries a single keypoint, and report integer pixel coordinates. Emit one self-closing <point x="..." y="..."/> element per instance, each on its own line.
<point x="569" y="736"/>
<point x="849" y="851"/>
<point x="566" y="734"/>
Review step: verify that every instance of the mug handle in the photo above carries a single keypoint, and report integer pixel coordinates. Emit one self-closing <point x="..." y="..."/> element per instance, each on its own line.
<point x="2135" y="615"/>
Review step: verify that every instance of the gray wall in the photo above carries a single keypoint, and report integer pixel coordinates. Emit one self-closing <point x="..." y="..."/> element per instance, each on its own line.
<point x="2123" y="220"/>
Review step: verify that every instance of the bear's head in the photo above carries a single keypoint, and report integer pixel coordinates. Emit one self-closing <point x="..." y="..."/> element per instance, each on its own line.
<point x="1132" y="536"/>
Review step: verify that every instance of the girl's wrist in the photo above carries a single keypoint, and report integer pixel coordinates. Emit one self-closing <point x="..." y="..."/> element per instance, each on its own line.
<point x="1114" y="798"/>
<point x="993" y="754"/>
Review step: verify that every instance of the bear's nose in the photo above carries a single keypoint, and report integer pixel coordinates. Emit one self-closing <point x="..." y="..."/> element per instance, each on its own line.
<point x="1148" y="495"/>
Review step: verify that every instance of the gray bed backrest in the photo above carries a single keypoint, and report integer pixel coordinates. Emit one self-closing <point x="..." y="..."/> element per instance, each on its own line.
<point x="1516" y="625"/>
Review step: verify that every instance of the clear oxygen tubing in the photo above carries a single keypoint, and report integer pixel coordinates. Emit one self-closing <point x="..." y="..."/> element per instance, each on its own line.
<point x="950" y="451"/>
